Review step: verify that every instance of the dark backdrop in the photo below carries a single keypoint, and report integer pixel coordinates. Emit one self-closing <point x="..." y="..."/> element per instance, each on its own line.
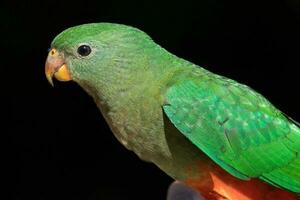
<point x="58" y="146"/>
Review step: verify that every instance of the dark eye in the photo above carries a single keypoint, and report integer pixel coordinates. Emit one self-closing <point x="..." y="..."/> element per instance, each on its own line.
<point x="84" y="50"/>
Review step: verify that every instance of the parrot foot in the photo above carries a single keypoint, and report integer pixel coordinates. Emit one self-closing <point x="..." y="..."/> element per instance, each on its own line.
<point x="180" y="191"/>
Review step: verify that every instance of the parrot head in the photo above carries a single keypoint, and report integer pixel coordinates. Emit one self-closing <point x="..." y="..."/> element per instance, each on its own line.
<point x="97" y="54"/>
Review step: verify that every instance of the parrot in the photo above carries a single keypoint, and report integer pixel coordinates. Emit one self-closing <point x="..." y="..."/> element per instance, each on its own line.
<point x="211" y="133"/>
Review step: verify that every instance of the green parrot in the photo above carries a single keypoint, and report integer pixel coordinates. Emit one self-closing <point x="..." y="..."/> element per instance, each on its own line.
<point x="212" y="133"/>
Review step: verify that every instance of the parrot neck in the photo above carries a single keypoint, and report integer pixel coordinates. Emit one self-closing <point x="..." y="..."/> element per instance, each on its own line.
<point x="149" y="73"/>
<point x="131" y="101"/>
<point x="127" y="78"/>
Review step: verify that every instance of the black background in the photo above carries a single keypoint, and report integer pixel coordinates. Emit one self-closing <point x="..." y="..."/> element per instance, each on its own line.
<point x="58" y="146"/>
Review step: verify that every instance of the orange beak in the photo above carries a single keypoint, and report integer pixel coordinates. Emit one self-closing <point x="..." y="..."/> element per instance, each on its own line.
<point x="56" y="66"/>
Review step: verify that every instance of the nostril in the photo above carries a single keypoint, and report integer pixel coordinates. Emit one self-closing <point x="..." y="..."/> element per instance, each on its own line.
<point x="53" y="52"/>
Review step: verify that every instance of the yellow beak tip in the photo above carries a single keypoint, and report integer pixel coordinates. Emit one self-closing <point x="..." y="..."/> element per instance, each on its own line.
<point x="49" y="77"/>
<point x="51" y="82"/>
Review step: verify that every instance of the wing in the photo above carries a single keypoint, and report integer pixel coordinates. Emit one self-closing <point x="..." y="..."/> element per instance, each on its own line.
<point x="238" y="128"/>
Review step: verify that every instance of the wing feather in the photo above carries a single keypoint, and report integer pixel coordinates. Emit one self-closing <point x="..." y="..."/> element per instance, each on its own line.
<point x="238" y="128"/>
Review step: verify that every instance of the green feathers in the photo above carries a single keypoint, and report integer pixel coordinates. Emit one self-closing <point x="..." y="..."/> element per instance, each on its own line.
<point x="96" y="32"/>
<point x="237" y="128"/>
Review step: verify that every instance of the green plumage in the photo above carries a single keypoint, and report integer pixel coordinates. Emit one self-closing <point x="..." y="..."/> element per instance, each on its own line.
<point x="237" y="128"/>
<point x="136" y="83"/>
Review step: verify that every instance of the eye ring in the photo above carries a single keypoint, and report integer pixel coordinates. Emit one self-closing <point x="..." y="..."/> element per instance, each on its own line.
<point x="84" y="50"/>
